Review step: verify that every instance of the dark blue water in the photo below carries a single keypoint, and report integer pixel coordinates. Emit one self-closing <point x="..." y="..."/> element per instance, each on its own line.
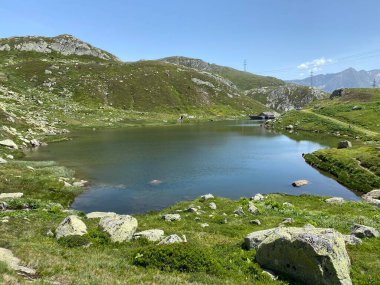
<point x="230" y="159"/>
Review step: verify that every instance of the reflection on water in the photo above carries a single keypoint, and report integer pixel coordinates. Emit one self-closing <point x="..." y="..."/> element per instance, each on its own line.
<point x="230" y="159"/>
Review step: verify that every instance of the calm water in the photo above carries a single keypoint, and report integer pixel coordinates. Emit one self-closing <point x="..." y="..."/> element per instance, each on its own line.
<point x="230" y="159"/>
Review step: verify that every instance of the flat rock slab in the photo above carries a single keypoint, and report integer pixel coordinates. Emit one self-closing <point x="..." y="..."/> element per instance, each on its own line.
<point x="13" y="262"/>
<point x="99" y="215"/>
<point x="151" y="235"/>
<point x="11" y="195"/>
<point x="120" y="227"/>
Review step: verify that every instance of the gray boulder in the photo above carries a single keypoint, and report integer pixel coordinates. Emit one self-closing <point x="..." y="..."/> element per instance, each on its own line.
<point x="335" y="200"/>
<point x="151" y="235"/>
<point x="9" y="143"/>
<point x="172" y="217"/>
<point x="71" y="226"/>
<point x="252" y="208"/>
<point x="253" y="240"/>
<point x="352" y="240"/>
<point x="171" y="239"/>
<point x="120" y="227"/>
<point x="11" y="195"/>
<point x="311" y="256"/>
<point x="99" y="215"/>
<point x="239" y="212"/>
<point x="344" y="144"/>
<point x="372" y="197"/>
<point x="207" y="197"/>
<point x="362" y="231"/>
<point x="212" y="206"/>
<point x="257" y="197"/>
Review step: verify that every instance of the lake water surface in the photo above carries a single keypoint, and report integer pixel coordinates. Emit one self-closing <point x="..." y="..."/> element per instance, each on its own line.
<point x="230" y="159"/>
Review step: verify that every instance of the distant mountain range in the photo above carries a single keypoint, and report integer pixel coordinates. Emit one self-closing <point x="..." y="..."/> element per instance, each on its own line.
<point x="349" y="78"/>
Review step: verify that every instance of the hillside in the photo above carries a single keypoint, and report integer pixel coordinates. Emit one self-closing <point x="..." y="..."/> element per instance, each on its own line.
<point x="352" y="114"/>
<point x="349" y="78"/>
<point x="242" y="80"/>
<point x="287" y="97"/>
<point x="65" y="67"/>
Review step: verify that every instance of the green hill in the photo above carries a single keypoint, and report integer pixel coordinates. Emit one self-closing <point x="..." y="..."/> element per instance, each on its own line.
<point x="243" y="80"/>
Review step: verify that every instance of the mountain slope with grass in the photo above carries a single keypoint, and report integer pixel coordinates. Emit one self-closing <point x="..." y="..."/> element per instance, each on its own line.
<point x="351" y="114"/>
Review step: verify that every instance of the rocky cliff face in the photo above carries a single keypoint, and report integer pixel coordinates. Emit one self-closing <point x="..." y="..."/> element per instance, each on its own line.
<point x="63" y="44"/>
<point x="287" y="97"/>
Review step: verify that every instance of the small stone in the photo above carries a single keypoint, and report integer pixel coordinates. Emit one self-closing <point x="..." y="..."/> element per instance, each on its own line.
<point x="155" y="182"/>
<point x="287" y="204"/>
<point x="171" y="217"/>
<point x="372" y="197"/>
<point x="49" y="233"/>
<point x="299" y="183"/>
<point x="344" y="144"/>
<point x="99" y="215"/>
<point x="2" y="161"/>
<point x="252" y="208"/>
<point x="192" y="210"/>
<point x="206" y="197"/>
<point x="239" y="212"/>
<point x="287" y="221"/>
<point x="257" y="197"/>
<point x="212" y="206"/>
<point x="255" y="222"/>
<point x="151" y="235"/>
<point x="352" y="240"/>
<point x="362" y="231"/>
<point x="204" y="225"/>
<point x="9" y="156"/>
<point x="335" y="200"/>
<point x="11" y="195"/>
<point x="171" y="239"/>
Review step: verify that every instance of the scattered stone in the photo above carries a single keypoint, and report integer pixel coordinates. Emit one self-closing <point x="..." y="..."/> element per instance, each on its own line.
<point x="155" y="182"/>
<point x="206" y="197"/>
<point x="255" y="222"/>
<point x="71" y="226"/>
<point x="35" y="143"/>
<point x="287" y="204"/>
<point x="335" y="200"/>
<point x="372" y="197"/>
<point x="257" y="197"/>
<point x="99" y="215"/>
<point x="362" y="231"/>
<point x="270" y="274"/>
<point x="352" y="240"/>
<point x="120" y="227"/>
<point x="252" y="208"/>
<point x="151" y="235"/>
<point x="49" y="233"/>
<point x="9" y="143"/>
<point x="316" y="256"/>
<point x="239" y="212"/>
<point x="212" y="206"/>
<point x="344" y="144"/>
<point x="204" y="225"/>
<point x="13" y="262"/>
<point x="197" y="219"/>
<point x="253" y="240"/>
<point x="67" y="184"/>
<point x="192" y="210"/>
<point x="11" y="195"/>
<point x="171" y="239"/>
<point x="9" y="156"/>
<point x="287" y="221"/>
<point x="299" y="183"/>
<point x="354" y="108"/>
<point x="289" y="127"/>
<point x="80" y="183"/>
<point x="2" y="161"/>
<point x="171" y="217"/>
<point x="3" y="206"/>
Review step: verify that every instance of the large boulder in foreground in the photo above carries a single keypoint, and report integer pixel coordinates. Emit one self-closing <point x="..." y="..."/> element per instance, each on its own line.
<point x="71" y="226"/>
<point x="120" y="227"/>
<point x="308" y="255"/>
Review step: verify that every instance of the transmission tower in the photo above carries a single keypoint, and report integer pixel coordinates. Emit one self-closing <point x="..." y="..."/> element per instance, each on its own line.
<point x="245" y="65"/>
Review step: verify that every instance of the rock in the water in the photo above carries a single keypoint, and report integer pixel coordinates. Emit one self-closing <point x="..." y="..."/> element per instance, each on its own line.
<point x="120" y="227"/>
<point x="155" y="182"/>
<point x="206" y="197"/>
<point x="171" y="217"/>
<point x="9" y="143"/>
<point x="13" y="262"/>
<point x="212" y="206"/>
<point x="11" y="195"/>
<point x="99" y="215"/>
<point x="239" y="212"/>
<point x="255" y="222"/>
<point x="344" y="144"/>
<point x="71" y="226"/>
<point x="171" y="239"/>
<point x="316" y="256"/>
<point x="352" y="240"/>
<point x="252" y="208"/>
<point x="372" y="197"/>
<point x="362" y="231"/>
<point x="299" y="183"/>
<point x="35" y="143"/>
<point x="257" y="197"/>
<point x="335" y="200"/>
<point x="151" y="235"/>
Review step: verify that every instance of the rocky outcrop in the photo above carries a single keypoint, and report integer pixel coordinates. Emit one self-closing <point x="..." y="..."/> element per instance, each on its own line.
<point x="9" y="143"/>
<point x="151" y="235"/>
<point x="120" y="228"/>
<point x="308" y="255"/>
<point x="71" y="226"/>
<point x="372" y="197"/>
<point x="13" y="262"/>
<point x="63" y="44"/>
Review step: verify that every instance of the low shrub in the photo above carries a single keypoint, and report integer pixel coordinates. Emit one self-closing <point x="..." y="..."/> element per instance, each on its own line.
<point x="74" y="241"/>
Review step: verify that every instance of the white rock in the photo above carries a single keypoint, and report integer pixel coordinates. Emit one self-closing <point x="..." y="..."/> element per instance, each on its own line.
<point x="206" y="197"/>
<point x="151" y="235"/>
<point x="257" y="197"/>
<point x="299" y="183"/>
<point x="13" y="262"/>
<point x="171" y="217"/>
<point x="204" y="225"/>
<point x="2" y="161"/>
<point x="98" y="215"/>
<point x="120" y="228"/>
<point x="9" y="143"/>
<point x="335" y="200"/>
<point x="212" y="206"/>
<point x="11" y="195"/>
<point x="71" y="225"/>
<point x="252" y="208"/>
<point x="171" y="239"/>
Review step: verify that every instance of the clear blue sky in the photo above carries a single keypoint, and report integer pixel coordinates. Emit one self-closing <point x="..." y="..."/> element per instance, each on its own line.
<point x="283" y="38"/>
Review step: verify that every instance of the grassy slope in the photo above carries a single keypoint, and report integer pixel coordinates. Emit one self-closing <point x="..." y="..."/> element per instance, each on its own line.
<point x="243" y="80"/>
<point x="356" y="168"/>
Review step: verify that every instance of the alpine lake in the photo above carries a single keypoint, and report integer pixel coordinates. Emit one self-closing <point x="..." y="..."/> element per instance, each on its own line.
<point x="142" y="169"/>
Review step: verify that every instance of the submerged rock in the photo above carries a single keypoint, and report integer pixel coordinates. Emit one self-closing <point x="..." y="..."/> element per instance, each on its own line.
<point x="70" y="226"/>
<point x="151" y="235"/>
<point x="120" y="227"/>
<point x="311" y="256"/>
